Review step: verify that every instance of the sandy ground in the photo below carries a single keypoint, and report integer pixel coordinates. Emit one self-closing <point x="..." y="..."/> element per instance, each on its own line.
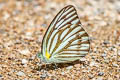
<point x="23" y="24"/>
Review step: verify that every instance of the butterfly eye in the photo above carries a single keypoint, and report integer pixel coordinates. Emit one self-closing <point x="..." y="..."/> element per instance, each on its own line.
<point x="65" y="39"/>
<point x="39" y="54"/>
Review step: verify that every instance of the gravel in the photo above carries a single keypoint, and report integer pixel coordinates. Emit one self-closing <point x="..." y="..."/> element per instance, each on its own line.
<point x="20" y="73"/>
<point x="23" y="25"/>
<point x="24" y="61"/>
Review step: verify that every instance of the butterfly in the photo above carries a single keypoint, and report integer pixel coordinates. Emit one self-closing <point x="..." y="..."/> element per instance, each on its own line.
<point x="65" y="40"/>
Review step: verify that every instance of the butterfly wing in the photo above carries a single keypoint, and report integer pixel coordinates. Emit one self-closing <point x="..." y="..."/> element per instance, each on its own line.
<point x="65" y="40"/>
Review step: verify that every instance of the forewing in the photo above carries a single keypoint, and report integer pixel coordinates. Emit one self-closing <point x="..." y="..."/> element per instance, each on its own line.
<point x="65" y="39"/>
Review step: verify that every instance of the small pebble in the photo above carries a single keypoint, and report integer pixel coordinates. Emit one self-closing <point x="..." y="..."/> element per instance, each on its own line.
<point x="24" y="52"/>
<point x="118" y="52"/>
<point x="103" y="23"/>
<point x="69" y="67"/>
<point x="40" y="38"/>
<point x="106" y="61"/>
<point x="104" y="55"/>
<point x="100" y="78"/>
<point x="43" y="75"/>
<point x="111" y="48"/>
<point x="31" y="23"/>
<point x="25" y="65"/>
<point x="90" y="76"/>
<point x="28" y="34"/>
<point x="24" y="61"/>
<point x="93" y="63"/>
<point x="2" y="31"/>
<point x="62" y="73"/>
<point x="0" y="75"/>
<point x="6" y="16"/>
<point x="117" y="7"/>
<point x="106" y="42"/>
<point x="20" y="73"/>
<point x="44" y="25"/>
<point x="77" y="65"/>
<point x="118" y="60"/>
<point x="26" y="79"/>
<point x="85" y="71"/>
<point x="100" y="73"/>
<point x="83" y="59"/>
<point x="115" y="64"/>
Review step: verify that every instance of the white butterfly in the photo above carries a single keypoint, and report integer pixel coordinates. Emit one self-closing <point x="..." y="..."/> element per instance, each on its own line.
<point x="65" y="40"/>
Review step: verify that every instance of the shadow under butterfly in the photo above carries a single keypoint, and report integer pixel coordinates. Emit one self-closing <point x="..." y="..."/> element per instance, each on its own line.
<point x="52" y="66"/>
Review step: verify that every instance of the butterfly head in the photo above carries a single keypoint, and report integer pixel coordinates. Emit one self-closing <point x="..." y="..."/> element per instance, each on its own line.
<point x="40" y="55"/>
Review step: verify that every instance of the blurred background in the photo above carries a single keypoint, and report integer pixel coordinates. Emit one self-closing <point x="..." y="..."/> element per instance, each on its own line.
<point x="24" y="22"/>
